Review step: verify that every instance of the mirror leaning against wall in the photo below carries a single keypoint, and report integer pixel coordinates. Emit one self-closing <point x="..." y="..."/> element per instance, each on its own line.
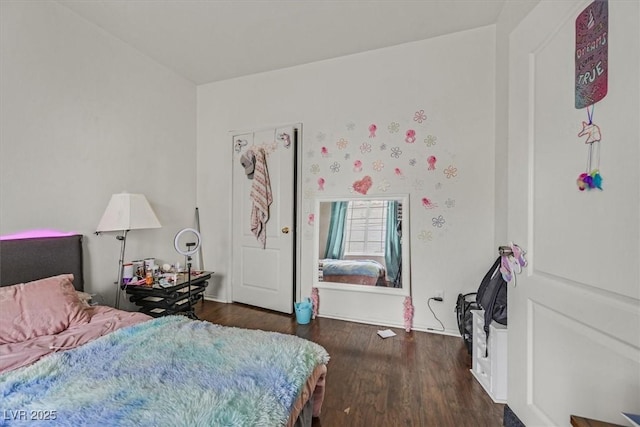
<point x="362" y="244"/>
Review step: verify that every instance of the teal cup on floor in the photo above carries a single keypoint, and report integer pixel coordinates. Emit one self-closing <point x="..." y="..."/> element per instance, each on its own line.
<point x="303" y="311"/>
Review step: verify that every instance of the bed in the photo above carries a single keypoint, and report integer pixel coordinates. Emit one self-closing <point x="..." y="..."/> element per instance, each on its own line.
<point x="63" y="362"/>
<point x="361" y="272"/>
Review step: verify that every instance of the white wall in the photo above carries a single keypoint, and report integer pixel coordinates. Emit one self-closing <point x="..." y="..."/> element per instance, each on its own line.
<point x="451" y="78"/>
<point x="83" y="116"/>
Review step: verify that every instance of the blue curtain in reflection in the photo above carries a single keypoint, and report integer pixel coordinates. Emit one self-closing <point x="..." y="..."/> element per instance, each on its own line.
<point x="393" y="247"/>
<point x="335" y="236"/>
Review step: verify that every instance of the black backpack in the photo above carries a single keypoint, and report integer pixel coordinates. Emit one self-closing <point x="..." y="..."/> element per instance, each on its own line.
<point x="492" y="297"/>
<point x="464" y="305"/>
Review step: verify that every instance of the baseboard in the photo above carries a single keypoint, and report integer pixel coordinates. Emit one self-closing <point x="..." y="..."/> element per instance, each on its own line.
<point x="452" y="333"/>
<point x="510" y="419"/>
<point x="210" y="298"/>
<point x="389" y="325"/>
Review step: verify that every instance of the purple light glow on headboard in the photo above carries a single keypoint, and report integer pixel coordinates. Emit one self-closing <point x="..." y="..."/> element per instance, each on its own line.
<point x="33" y="234"/>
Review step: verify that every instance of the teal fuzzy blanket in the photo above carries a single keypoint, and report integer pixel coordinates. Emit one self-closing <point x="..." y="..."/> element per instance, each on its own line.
<point x="169" y="371"/>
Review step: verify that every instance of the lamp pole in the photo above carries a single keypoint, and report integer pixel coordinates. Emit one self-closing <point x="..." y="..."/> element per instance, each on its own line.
<point x="122" y="239"/>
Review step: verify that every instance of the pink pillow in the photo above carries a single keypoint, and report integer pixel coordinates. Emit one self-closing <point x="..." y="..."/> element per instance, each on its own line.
<point x="42" y="307"/>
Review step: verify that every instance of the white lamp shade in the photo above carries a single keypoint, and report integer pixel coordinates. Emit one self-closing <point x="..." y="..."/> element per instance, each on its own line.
<point x="127" y="211"/>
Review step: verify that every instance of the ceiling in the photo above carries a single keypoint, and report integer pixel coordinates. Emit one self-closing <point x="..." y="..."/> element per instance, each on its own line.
<point x="211" y="40"/>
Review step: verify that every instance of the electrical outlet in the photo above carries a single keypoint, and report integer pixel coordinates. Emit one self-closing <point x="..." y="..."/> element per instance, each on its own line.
<point x="439" y="294"/>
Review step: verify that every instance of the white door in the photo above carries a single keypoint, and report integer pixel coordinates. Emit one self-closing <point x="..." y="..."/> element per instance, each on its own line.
<point x="574" y="314"/>
<point x="264" y="276"/>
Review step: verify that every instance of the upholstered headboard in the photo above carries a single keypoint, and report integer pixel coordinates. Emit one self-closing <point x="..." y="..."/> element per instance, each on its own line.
<point x="25" y="260"/>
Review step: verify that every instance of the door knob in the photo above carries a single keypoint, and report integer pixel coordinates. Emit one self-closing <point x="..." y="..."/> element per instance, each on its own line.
<point x="285" y="230"/>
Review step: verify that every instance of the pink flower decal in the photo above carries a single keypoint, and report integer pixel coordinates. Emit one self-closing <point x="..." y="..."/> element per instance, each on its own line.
<point x="410" y="136"/>
<point x="428" y="204"/>
<point x="363" y="185"/>
<point x="357" y="166"/>
<point x="320" y="184"/>
<point x="311" y="219"/>
<point x="431" y="160"/>
<point x="372" y="130"/>
<point x="324" y="151"/>
<point x="398" y="173"/>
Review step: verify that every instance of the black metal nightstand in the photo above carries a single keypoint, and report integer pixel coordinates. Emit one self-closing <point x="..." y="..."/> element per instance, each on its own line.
<point x="159" y="301"/>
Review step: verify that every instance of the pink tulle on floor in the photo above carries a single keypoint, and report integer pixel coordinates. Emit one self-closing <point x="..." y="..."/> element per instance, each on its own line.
<point x="408" y="314"/>
<point x="315" y="299"/>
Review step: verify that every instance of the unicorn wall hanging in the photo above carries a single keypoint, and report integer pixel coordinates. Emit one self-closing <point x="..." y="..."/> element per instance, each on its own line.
<point x="591" y="59"/>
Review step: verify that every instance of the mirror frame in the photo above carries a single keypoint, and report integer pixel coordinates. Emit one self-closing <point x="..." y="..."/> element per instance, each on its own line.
<point x="406" y="244"/>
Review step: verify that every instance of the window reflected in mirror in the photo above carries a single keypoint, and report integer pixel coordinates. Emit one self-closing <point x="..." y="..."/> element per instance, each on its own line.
<point x="360" y="242"/>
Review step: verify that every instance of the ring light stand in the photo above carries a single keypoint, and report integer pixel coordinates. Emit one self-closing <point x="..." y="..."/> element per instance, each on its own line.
<point x="191" y="248"/>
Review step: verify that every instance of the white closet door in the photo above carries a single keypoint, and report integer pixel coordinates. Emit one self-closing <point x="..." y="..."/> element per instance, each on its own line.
<point x="264" y="277"/>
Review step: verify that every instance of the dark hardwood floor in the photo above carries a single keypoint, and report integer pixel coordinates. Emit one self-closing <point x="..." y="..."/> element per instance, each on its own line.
<point x="412" y="379"/>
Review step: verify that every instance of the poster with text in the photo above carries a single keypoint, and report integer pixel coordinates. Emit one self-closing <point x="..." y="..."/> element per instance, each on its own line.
<point x="592" y="37"/>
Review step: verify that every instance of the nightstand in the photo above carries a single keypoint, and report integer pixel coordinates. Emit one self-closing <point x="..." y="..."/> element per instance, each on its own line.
<point x="159" y="301"/>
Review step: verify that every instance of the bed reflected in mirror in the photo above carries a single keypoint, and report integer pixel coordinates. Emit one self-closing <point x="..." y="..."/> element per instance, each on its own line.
<point x="359" y="243"/>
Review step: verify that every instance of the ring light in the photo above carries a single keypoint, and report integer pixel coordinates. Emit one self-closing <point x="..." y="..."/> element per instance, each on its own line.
<point x="187" y="252"/>
<point x="192" y="248"/>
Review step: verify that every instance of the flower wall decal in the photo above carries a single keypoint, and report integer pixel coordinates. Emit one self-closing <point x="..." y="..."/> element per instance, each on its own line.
<point x="438" y="221"/>
<point x="430" y="140"/>
<point x="384" y="185"/>
<point x="410" y="136"/>
<point x="393" y="127"/>
<point x="419" y="116"/>
<point x="451" y="172"/>
<point x="428" y="203"/>
<point x="391" y="172"/>
<point x="425" y="235"/>
<point x="365" y="147"/>
<point x="431" y="161"/>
